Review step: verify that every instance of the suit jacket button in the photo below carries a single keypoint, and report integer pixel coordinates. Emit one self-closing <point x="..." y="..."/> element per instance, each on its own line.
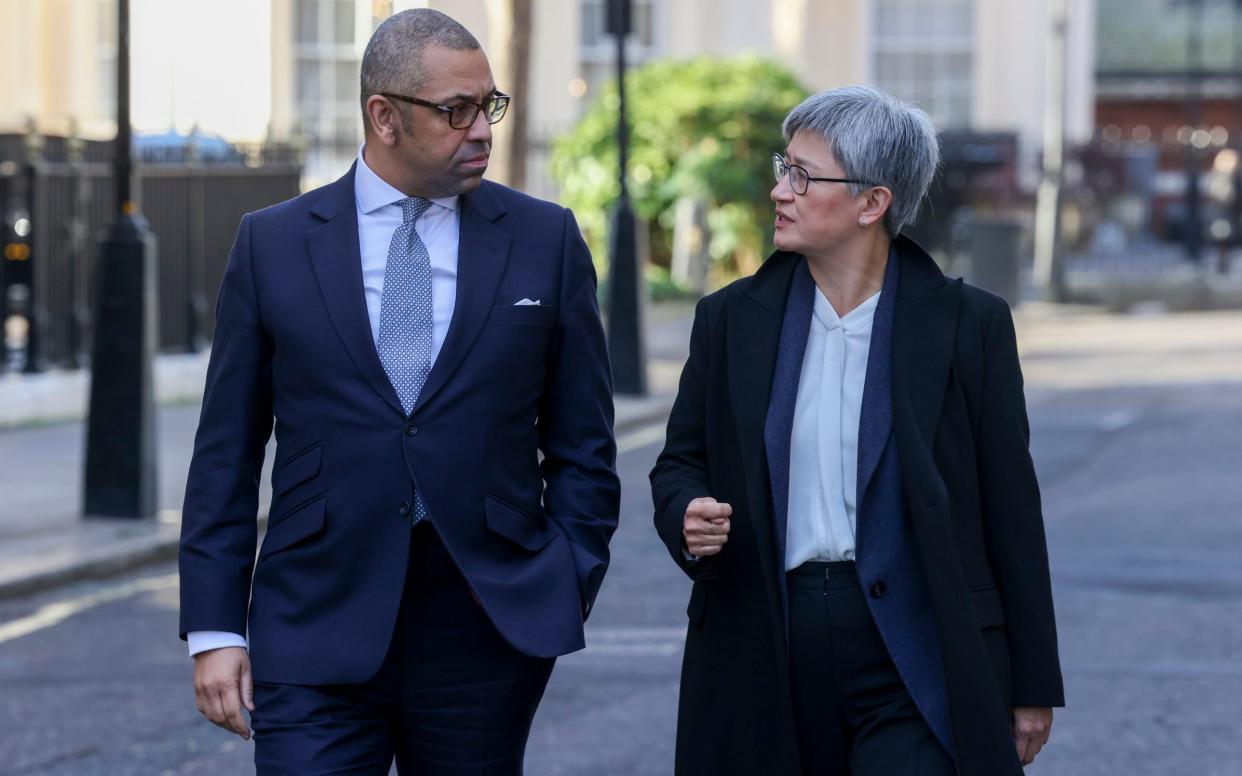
<point x="879" y="589"/>
<point x="404" y="508"/>
<point x="411" y="429"/>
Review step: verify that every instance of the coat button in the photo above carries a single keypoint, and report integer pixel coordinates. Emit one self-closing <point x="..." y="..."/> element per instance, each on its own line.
<point x="403" y="508"/>
<point x="411" y="429"/>
<point x="879" y="589"/>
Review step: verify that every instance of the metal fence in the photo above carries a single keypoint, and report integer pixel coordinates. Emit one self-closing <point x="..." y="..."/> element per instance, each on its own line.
<point x="60" y="193"/>
<point x="1132" y="217"/>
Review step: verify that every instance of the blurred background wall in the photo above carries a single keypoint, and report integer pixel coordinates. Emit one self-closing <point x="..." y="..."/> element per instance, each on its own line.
<point x="250" y="69"/>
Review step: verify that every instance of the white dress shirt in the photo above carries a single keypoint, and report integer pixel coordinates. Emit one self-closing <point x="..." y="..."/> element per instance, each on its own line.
<point x="379" y="215"/>
<point x="823" y="460"/>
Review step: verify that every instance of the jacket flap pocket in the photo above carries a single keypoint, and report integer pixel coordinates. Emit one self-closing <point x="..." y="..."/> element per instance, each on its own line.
<point x="989" y="611"/>
<point x="515" y="525"/>
<point x="301" y="467"/>
<point x="304" y="521"/>
<point x="524" y="313"/>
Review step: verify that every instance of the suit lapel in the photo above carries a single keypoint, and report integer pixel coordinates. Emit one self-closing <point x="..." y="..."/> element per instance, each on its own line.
<point x="482" y="255"/>
<point x="337" y="262"/>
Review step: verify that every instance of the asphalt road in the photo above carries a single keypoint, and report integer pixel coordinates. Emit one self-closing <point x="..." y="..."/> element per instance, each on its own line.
<point x="1144" y="514"/>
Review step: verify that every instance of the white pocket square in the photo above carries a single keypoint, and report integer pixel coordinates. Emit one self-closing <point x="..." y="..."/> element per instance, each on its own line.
<point x="525" y="301"/>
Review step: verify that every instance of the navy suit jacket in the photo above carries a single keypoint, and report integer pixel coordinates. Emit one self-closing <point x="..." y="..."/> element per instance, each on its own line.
<point x="510" y="442"/>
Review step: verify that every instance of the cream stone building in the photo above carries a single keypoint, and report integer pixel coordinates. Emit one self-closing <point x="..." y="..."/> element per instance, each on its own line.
<point x="249" y="69"/>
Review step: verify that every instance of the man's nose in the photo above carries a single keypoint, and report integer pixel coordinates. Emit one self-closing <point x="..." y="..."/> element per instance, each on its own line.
<point x="480" y="131"/>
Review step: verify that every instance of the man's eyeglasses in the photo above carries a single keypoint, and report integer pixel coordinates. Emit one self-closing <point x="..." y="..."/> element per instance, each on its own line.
<point x="462" y="115"/>
<point x="799" y="178"/>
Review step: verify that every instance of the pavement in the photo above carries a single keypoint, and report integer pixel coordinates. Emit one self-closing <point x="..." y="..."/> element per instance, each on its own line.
<point x="45" y="541"/>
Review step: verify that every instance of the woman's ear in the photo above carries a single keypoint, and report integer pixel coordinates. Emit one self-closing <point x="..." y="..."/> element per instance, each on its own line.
<point x="876" y="202"/>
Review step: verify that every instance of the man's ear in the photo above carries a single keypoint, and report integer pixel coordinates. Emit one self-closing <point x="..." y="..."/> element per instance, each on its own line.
<point x="385" y="120"/>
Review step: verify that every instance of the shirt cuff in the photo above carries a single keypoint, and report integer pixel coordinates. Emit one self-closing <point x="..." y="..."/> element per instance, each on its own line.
<point x="202" y="641"/>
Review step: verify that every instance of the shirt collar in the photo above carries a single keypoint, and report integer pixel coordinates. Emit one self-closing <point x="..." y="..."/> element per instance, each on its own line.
<point x="857" y="319"/>
<point x="372" y="192"/>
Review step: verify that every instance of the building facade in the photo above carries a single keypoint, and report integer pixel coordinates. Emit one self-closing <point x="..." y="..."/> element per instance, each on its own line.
<point x="250" y="69"/>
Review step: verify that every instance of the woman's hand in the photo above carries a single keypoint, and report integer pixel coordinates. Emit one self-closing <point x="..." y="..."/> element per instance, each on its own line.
<point x="705" y="528"/>
<point x="1031" y="728"/>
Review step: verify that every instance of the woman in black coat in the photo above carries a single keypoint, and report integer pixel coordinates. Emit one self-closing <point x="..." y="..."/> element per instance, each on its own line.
<point x="847" y="481"/>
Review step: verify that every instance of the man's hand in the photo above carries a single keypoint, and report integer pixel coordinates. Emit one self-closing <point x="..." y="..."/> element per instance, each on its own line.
<point x="222" y="685"/>
<point x="705" y="528"/>
<point x="1031" y="727"/>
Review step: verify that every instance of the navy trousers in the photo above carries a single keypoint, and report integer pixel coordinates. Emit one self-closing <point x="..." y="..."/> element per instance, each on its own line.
<point x="452" y="696"/>
<point x="852" y="712"/>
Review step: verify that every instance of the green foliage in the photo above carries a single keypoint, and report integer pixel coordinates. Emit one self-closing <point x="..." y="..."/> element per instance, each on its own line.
<point x="704" y="128"/>
<point x="662" y="287"/>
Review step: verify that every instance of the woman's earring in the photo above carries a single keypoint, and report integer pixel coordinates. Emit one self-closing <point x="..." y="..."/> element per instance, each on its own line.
<point x="862" y="223"/>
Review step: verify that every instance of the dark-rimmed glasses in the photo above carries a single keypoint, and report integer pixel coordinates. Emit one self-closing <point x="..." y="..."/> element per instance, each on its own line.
<point x="462" y="115"/>
<point x="799" y="178"/>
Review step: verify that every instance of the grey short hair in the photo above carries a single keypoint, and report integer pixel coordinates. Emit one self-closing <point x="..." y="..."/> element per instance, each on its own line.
<point x="876" y="138"/>
<point x="393" y="58"/>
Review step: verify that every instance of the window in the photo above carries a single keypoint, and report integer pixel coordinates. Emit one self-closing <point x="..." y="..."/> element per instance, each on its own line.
<point x="325" y="51"/>
<point x="594" y="21"/>
<point x="306" y="86"/>
<point x="346" y="81"/>
<point x="598" y="49"/>
<point x="344" y="22"/>
<point x="306" y="21"/>
<point x="922" y="53"/>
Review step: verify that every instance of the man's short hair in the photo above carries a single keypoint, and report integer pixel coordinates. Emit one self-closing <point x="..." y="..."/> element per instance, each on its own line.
<point x="393" y="60"/>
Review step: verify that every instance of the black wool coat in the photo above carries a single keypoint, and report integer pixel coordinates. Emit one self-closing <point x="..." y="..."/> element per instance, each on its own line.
<point x="960" y="425"/>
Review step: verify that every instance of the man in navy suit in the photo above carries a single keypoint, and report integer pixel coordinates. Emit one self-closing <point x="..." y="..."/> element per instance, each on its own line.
<point x="428" y="348"/>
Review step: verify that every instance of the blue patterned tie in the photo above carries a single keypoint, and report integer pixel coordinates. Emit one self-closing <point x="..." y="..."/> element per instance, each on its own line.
<point x="406" y="318"/>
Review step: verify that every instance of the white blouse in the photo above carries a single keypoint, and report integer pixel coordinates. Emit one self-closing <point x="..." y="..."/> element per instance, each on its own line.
<point x="823" y="466"/>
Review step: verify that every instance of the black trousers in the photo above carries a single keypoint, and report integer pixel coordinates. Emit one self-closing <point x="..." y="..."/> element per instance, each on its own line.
<point x="452" y="696"/>
<point x="852" y="712"/>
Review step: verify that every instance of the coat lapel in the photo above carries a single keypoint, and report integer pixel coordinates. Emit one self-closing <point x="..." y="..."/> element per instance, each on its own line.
<point x="778" y="427"/>
<point x="923" y="346"/>
<point x="886" y="547"/>
<point x="482" y="255"/>
<point x="924" y="329"/>
<point x="875" y="419"/>
<point x="752" y="339"/>
<point x="337" y="262"/>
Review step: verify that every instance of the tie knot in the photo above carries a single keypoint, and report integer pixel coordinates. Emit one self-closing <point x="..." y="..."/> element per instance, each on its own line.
<point x="412" y="208"/>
